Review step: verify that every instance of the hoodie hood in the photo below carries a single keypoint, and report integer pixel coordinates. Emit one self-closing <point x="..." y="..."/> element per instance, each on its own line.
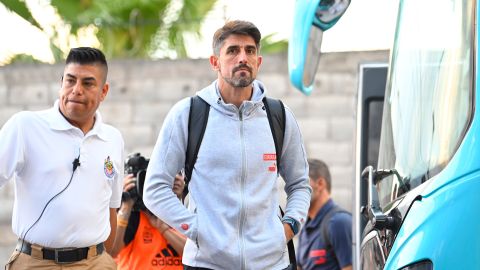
<point x="211" y="94"/>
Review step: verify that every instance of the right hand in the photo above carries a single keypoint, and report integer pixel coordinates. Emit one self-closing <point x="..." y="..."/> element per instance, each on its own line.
<point x="179" y="185"/>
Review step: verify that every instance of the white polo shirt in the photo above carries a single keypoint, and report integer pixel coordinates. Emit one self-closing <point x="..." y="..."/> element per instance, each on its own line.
<point x="37" y="150"/>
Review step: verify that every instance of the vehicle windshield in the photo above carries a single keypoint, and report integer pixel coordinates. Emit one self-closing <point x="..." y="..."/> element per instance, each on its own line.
<point x="428" y="100"/>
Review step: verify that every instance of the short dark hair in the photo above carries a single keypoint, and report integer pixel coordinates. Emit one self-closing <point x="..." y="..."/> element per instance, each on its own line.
<point x="86" y="56"/>
<point x="317" y="169"/>
<point x="236" y="27"/>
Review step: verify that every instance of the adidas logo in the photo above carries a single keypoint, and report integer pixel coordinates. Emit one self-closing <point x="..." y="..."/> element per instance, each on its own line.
<point x="167" y="257"/>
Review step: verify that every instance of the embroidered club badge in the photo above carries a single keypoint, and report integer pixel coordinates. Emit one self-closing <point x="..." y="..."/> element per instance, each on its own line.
<point x="108" y="168"/>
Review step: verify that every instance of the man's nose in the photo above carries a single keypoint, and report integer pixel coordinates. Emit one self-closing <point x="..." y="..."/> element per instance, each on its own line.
<point x="242" y="56"/>
<point x="77" y="88"/>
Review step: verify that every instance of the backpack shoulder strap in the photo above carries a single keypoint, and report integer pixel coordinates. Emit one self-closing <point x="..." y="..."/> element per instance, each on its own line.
<point x="276" y="118"/>
<point x="197" y="123"/>
<point x="324" y="224"/>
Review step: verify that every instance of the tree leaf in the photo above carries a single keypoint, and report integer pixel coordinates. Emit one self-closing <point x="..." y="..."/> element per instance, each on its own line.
<point x="21" y="9"/>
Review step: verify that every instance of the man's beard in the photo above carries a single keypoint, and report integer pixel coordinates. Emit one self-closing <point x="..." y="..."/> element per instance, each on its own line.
<point x="241" y="81"/>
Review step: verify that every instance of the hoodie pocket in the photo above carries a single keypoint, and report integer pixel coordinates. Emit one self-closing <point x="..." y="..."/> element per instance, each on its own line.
<point x="197" y="229"/>
<point x="280" y="244"/>
<point x="284" y="237"/>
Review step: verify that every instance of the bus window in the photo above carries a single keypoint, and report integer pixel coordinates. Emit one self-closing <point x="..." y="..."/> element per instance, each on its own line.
<point x="428" y="101"/>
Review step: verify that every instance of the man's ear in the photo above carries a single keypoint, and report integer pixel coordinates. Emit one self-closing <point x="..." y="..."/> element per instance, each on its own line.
<point x="105" y="89"/>
<point x="214" y="62"/>
<point x="322" y="183"/>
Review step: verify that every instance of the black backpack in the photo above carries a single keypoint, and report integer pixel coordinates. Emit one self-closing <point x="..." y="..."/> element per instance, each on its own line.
<point x="197" y="123"/>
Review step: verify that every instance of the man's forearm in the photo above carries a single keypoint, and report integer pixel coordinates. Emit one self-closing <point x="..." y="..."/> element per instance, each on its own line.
<point x="118" y="244"/>
<point x="176" y="239"/>
<point x="113" y="229"/>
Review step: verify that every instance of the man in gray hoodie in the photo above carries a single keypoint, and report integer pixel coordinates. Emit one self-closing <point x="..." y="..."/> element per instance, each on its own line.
<point x="233" y="220"/>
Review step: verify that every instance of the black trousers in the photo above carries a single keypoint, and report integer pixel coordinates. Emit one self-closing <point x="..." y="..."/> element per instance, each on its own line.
<point x="186" y="267"/>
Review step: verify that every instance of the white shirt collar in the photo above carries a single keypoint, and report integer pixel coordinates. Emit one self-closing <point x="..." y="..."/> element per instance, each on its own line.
<point x="58" y="122"/>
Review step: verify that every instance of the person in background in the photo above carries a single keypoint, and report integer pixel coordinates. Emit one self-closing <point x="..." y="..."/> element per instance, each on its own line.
<point x="67" y="167"/>
<point x="143" y="241"/>
<point x="233" y="219"/>
<point x="325" y="241"/>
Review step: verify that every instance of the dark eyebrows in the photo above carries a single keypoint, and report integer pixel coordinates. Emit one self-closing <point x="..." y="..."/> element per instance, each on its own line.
<point x="247" y="47"/>
<point x="233" y="47"/>
<point x="71" y="76"/>
<point x="251" y="47"/>
<point x="88" y="79"/>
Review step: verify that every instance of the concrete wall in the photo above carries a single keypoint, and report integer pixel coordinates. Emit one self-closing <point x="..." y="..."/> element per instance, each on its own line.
<point x="142" y="92"/>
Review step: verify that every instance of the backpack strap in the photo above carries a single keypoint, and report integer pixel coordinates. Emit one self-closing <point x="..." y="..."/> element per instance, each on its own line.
<point x="197" y="123"/>
<point x="276" y="118"/>
<point x="324" y="225"/>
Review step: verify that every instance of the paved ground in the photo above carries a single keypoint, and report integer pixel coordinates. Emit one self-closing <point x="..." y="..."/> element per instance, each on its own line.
<point x="7" y="242"/>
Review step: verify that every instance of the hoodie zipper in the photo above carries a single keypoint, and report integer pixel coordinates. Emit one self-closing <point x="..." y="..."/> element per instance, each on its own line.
<point x="242" y="193"/>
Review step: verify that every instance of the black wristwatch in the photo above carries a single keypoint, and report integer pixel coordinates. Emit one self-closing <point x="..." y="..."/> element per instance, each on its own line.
<point x="292" y="223"/>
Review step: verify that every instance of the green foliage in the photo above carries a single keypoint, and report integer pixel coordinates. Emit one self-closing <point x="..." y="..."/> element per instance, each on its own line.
<point x="270" y="46"/>
<point x="133" y="28"/>
<point x="130" y="29"/>
<point x="189" y="21"/>
<point x="23" y="58"/>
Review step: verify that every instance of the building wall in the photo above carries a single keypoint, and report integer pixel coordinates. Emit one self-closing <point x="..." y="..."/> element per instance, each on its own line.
<point x="142" y="92"/>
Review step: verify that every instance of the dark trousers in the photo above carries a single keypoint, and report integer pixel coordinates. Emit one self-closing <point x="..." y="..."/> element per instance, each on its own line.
<point x="186" y="267"/>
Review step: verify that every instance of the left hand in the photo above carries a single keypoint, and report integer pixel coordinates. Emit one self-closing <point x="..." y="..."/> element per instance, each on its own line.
<point x="288" y="232"/>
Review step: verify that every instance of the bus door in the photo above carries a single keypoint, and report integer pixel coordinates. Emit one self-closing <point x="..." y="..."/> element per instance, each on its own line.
<point x="371" y="91"/>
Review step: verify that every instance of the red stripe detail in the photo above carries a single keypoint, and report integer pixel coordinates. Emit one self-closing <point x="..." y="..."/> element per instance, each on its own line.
<point x="321" y="260"/>
<point x="318" y="253"/>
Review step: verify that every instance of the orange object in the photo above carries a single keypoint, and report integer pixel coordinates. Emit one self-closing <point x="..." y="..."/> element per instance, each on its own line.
<point x="148" y="250"/>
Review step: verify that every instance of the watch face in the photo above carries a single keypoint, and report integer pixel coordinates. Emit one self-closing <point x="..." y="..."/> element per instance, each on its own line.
<point x="294" y="227"/>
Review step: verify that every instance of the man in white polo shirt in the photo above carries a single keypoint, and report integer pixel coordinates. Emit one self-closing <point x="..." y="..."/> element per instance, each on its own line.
<point x="67" y="167"/>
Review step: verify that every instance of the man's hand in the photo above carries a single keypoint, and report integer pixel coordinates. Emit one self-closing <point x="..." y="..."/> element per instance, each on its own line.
<point x="179" y="184"/>
<point x="288" y="232"/>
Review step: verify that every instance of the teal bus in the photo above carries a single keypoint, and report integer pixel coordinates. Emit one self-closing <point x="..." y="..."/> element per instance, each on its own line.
<point x="420" y="207"/>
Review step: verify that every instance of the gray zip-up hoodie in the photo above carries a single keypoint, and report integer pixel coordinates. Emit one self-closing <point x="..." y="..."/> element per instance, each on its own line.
<point x="233" y="220"/>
